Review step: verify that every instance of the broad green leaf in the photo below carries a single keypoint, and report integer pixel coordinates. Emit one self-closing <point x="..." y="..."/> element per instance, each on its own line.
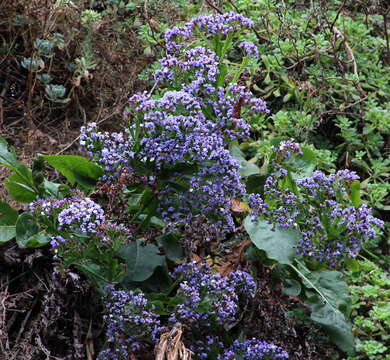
<point x="279" y="244"/>
<point x="51" y="188"/>
<point x="246" y="168"/>
<point x="330" y="284"/>
<point x="7" y="158"/>
<point x="96" y="274"/>
<point x="75" y="168"/>
<point x="8" y="217"/>
<point x="142" y="260"/>
<point x="18" y="189"/>
<point x="291" y="287"/>
<point x="38" y="240"/>
<point x="7" y="232"/>
<point x="331" y="304"/>
<point x="26" y="227"/>
<point x="335" y="325"/>
<point x="303" y="164"/>
<point x="171" y="244"/>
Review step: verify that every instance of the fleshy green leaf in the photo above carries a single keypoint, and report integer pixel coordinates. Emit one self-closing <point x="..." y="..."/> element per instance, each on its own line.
<point x="38" y="240"/>
<point x="335" y="325"/>
<point x="7" y="232"/>
<point x="279" y="244"/>
<point x="303" y="164"/>
<point x="26" y="227"/>
<point x="8" y="217"/>
<point x="331" y="304"/>
<point x="170" y="242"/>
<point x="7" y="158"/>
<point x="76" y="169"/>
<point x="246" y="168"/>
<point x="142" y="260"/>
<point x="19" y="190"/>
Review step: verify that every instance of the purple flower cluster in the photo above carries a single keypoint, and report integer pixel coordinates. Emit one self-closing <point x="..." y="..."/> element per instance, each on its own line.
<point x="190" y="126"/>
<point x="81" y="214"/>
<point x="254" y="350"/>
<point x="177" y="132"/>
<point x="110" y="150"/>
<point x="129" y="322"/>
<point x="200" y="287"/>
<point x="46" y="207"/>
<point x="209" y="301"/>
<point x="249" y="49"/>
<point x="209" y="305"/>
<point x="199" y="63"/>
<point x="215" y="24"/>
<point x="331" y="228"/>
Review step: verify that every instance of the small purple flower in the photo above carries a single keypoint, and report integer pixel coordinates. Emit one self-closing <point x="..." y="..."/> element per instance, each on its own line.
<point x="254" y="350"/>
<point x="130" y="323"/>
<point x="249" y="49"/>
<point x="82" y="215"/>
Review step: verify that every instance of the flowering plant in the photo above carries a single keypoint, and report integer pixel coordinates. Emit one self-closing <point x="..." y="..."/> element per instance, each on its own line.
<point x="325" y="210"/>
<point x="179" y="140"/>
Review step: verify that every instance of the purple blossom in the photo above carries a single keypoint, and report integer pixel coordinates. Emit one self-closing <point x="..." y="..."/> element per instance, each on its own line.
<point x="249" y="49"/>
<point x="330" y="227"/>
<point x="254" y="350"/>
<point x="129" y="322"/>
<point x="224" y="293"/>
<point x="82" y="215"/>
<point x="215" y="24"/>
<point x="110" y="150"/>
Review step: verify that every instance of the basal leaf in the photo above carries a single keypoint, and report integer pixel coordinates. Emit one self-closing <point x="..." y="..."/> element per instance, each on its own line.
<point x="279" y="244"/>
<point x="18" y="189"/>
<point x="25" y="228"/>
<point x="8" y="217"/>
<point x="7" y="232"/>
<point x="7" y="158"/>
<point x="75" y="168"/>
<point x="330" y="304"/>
<point x="246" y="168"/>
<point x="171" y="244"/>
<point x="335" y="325"/>
<point x="142" y="260"/>
<point x="38" y="240"/>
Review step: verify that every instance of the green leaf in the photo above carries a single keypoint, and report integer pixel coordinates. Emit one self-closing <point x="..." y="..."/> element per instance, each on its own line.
<point x="7" y="158"/>
<point x="7" y="232"/>
<point x="246" y="168"/>
<point x="26" y="227"/>
<point x="8" y="217"/>
<point x="291" y="287"/>
<point x="142" y="260"/>
<point x="335" y="325"/>
<point x="38" y="240"/>
<point x="332" y="307"/>
<point x="279" y="244"/>
<point x="171" y="244"/>
<point x="304" y="164"/>
<point x="76" y="169"/>
<point x="354" y="195"/>
<point x="352" y="264"/>
<point x="22" y="176"/>
<point x="18" y="189"/>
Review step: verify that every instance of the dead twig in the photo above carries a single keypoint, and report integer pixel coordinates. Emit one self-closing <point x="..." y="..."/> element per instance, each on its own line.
<point x="171" y="346"/>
